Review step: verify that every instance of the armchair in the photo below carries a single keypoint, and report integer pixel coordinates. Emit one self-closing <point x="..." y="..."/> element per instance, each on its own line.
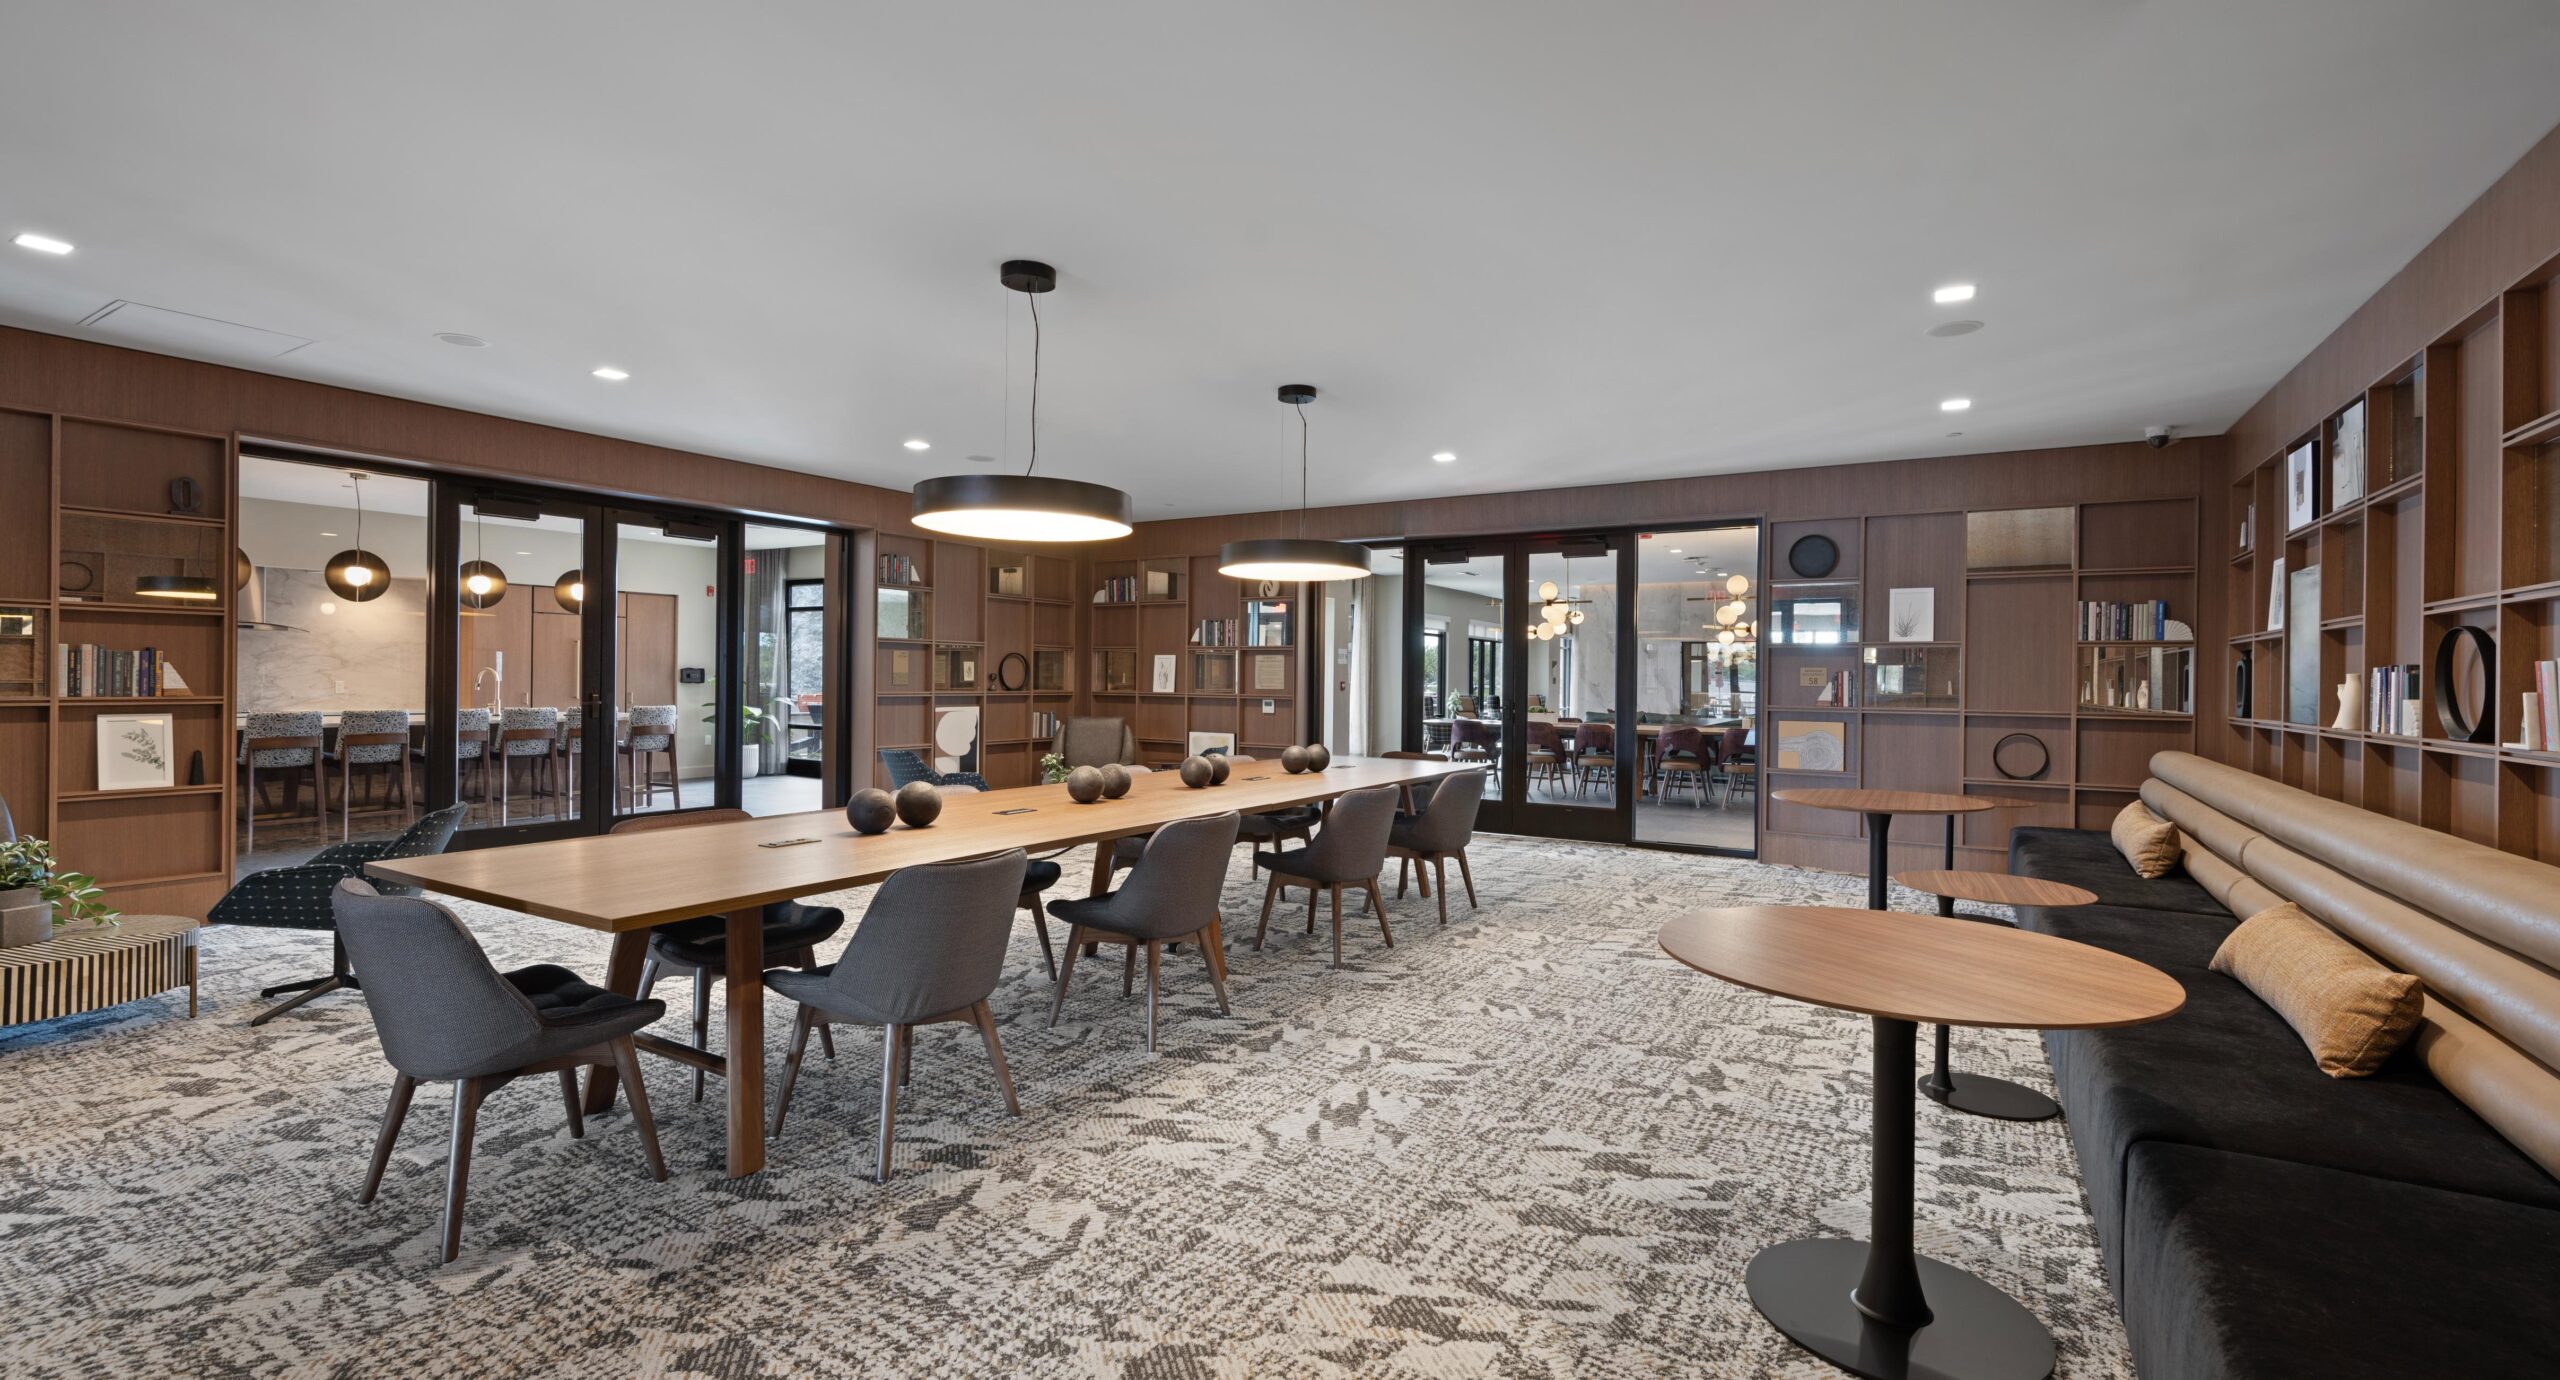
<point x="905" y="765"/>
<point x="299" y="898"/>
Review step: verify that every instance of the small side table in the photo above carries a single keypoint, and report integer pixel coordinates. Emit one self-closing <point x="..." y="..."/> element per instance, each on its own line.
<point x="1880" y="807"/>
<point x="1981" y="1094"/>
<point x="93" y="969"/>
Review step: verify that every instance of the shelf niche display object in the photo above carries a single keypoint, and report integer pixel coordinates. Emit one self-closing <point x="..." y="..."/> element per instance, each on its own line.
<point x="905" y="615"/>
<point x="2138" y="680"/>
<point x="1270" y="623"/>
<point x="1115" y="671"/>
<point x="1913" y="677"/>
<point x="1813" y="615"/>
<point x="2302" y="646"/>
<point x="2019" y="538"/>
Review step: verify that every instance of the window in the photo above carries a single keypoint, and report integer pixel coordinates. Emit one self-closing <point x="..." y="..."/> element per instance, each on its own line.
<point x="1435" y="660"/>
<point x="805" y="637"/>
<point x="1484" y="672"/>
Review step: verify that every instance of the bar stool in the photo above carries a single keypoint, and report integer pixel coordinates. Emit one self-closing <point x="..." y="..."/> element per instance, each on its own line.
<point x="286" y="744"/>
<point x="525" y="735"/>
<point x="371" y="743"/>
<point x="651" y="736"/>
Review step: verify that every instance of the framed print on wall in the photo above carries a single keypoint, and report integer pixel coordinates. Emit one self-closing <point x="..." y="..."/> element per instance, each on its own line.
<point x="134" y="752"/>
<point x="1813" y="745"/>
<point x="2301" y="476"/>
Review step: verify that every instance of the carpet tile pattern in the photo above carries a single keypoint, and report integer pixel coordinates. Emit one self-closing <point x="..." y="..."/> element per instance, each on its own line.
<point x="1528" y="1145"/>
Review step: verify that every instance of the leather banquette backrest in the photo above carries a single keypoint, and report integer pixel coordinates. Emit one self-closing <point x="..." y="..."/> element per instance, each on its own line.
<point x="2480" y="927"/>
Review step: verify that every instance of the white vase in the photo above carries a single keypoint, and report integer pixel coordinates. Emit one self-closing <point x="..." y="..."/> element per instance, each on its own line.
<point x="751" y="759"/>
<point x="2350" y="704"/>
<point x="25" y="918"/>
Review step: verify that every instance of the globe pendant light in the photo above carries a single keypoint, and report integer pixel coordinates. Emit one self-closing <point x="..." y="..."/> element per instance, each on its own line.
<point x="1025" y="506"/>
<point x="1292" y="559"/>
<point x="571" y="591"/>
<point x="355" y="574"/>
<point x="483" y="583"/>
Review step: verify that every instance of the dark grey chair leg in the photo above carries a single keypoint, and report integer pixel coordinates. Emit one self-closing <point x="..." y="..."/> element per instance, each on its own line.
<point x="569" y="1094"/>
<point x="626" y="1061"/>
<point x="893" y="1041"/>
<point x="457" y="1169"/>
<point x="1336" y="889"/>
<point x="1155" y="959"/>
<point x="393" y="1116"/>
<point x="826" y="1035"/>
<point x="701" y="1022"/>
<point x="984" y="1017"/>
<point x="1129" y="970"/>
<point x="1440" y="866"/>
<point x="1269" y="893"/>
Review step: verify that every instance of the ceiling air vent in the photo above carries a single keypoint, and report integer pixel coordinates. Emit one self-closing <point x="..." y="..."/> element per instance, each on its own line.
<point x="159" y="329"/>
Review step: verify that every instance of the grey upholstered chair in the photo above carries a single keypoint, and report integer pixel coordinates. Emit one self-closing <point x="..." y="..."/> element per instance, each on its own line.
<point x="1095" y="742"/>
<point x="1170" y="897"/>
<point x="928" y="951"/>
<point x="287" y="746"/>
<point x="700" y="946"/>
<point x="1440" y="832"/>
<point x="301" y="898"/>
<point x="1351" y="850"/>
<point x="371" y="743"/>
<point x="446" y="1014"/>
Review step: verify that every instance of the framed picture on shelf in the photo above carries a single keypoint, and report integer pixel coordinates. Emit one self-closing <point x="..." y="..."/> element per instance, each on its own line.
<point x="1211" y="744"/>
<point x="134" y="752"/>
<point x="1911" y="615"/>
<point x="2301" y="494"/>
<point x="2346" y="458"/>
<point x="1163" y="683"/>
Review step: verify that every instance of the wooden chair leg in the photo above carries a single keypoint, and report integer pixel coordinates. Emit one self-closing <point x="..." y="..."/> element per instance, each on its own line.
<point x="1268" y="894"/>
<point x="1440" y="866"/>
<point x="1336" y="890"/>
<point x="1469" y="875"/>
<point x="984" y="1017"/>
<point x="1312" y="889"/>
<point x="1155" y="957"/>
<point x="893" y="1040"/>
<point x="1378" y="908"/>
<point x="1040" y="924"/>
<point x="1404" y="873"/>
<point x="626" y="1061"/>
<point x="791" y="1068"/>
<point x="467" y="1093"/>
<point x="569" y="1095"/>
<point x="1129" y="970"/>
<point x="1066" y="970"/>
<point x="1213" y="947"/>
<point x="393" y="1116"/>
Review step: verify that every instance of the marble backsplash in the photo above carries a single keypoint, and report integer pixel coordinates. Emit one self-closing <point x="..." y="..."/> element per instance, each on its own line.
<point x="371" y="655"/>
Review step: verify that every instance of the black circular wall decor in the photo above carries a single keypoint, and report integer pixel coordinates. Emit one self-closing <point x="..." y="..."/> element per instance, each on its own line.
<point x="1013" y="672"/>
<point x="2462" y="723"/>
<point x="1813" y="557"/>
<point x="2021" y="757"/>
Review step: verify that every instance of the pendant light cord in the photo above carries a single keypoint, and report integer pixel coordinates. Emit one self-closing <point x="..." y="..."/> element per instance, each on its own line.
<point x="1302" y="468"/>
<point x="356" y="481"/>
<point x="1035" y="386"/>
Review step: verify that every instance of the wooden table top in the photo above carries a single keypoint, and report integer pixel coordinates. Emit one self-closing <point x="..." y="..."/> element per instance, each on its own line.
<point x="1997" y="888"/>
<point x="1922" y="968"/>
<point x="1887" y="802"/>
<point x="622" y="882"/>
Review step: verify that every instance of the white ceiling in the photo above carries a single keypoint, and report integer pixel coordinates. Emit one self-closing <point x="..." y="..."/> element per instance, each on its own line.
<point x="1571" y="243"/>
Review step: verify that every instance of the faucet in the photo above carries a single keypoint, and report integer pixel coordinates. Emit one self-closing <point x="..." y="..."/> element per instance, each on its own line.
<point x="499" y="677"/>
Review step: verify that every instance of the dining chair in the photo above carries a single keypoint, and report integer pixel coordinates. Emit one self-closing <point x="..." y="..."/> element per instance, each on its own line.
<point x="445" y="1013"/>
<point x="699" y="948"/>
<point x="1350" y="850"/>
<point x="372" y="743"/>
<point x="907" y="766"/>
<point x="1741" y="761"/>
<point x="300" y="898"/>
<point x="470" y="753"/>
<point x="1595" y="755"/>
<point x="1444" y="828"/>
<point x="1171" y="897"/>
<point x="289" y="747"/>
<point x="1405" y="805"/>
<point x="1685" y="755"/>
<point x="648" y="745"/>
<point x="1271" y="827"/>
<point x="928" y="952"/>
<point x="526" y="736"/>
<point x="1546" y="751"/>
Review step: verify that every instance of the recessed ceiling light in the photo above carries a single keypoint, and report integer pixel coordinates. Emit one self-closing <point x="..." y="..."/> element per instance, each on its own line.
<point x="328" y="534"/>
<point x="1444" y="457"/>
<point x="1955" y="404"/>
<point x="919" y="443"/>
<point x="1954" y="434"/>
<point x="42" y="244"/>
<point x="1947" y="330"/>
<point x="1675" y="551"/>
<point x="464" y="339"/>
<point x="612" y="375"/>
<point x="981" y="459"/>
<point x="1953" y="292"/>
<point x="524" y="553"/>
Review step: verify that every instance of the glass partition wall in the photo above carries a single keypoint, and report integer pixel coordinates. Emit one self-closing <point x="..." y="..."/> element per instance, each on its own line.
<point x="1698" y="625"/>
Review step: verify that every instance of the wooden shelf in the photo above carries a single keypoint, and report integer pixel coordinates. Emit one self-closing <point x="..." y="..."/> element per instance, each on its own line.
<point x="73" y="604"/>
<point x="144" y="793"/>
<point x="2533" y="433"/>
<point x="2140" y="570"/>
<point x="121" y="515"/>
<point x="128" y="701"/>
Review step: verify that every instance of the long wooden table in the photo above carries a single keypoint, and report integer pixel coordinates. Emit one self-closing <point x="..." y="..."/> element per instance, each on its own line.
<point x="628" y="884"/>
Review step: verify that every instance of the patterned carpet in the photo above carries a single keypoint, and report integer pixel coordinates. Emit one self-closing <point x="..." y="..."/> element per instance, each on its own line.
<point x="1529" y="1145"/>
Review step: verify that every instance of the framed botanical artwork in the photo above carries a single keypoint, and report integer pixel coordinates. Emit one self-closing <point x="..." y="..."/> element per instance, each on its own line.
<point x="2301" y="481"/>
<point x="1911" y="615"/>
<point x="135" y="753"/>
<point x="1162" y="684"/>
<point x="1813" y="745"/>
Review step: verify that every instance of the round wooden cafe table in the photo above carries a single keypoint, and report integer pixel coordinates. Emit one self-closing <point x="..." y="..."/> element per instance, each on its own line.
<point x="1880" y="807"/>
<point x="1878" y="1308"/>
<point x="1981" y="1094"/>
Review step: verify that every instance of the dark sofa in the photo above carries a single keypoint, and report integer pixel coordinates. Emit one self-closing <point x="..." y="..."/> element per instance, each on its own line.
<point x="2261" y="1219"/>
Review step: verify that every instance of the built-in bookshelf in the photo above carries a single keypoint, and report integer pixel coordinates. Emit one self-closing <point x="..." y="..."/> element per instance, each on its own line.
<point x="2434" y="507"/>
<point x="98" y="513"/>
<point x="1179" y="649"/>
<point x="1945" y="650"/>
<point x="963" y="627"/>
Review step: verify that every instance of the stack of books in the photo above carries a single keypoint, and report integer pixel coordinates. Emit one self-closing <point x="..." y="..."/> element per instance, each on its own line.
<point x="1215" y="632"/>
<point x="2391" y="701"/>
<point x="87" y="671"/>
<point x="1837" y="689"/>
<point x="899" y="570"/>
<point x="1117" y="589"/>
<point x="2147" y="621"/>
<point x="1044" y="725"/>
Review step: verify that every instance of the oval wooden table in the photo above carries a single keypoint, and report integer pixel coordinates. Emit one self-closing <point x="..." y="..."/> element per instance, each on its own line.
<point x="1880" y="807"/>
<point x="1981" y="1094"/>
<point x="1878" y="1308"/>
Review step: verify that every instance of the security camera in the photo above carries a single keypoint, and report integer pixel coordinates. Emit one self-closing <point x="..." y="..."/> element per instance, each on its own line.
<point x="2158" y="437"/>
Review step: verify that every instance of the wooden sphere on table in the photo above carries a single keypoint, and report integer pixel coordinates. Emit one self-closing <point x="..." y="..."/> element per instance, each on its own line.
<point x="871" y="811"/>
<point x="919" y="803"/>
<point x="1084" y="785"/>
<point x="1293" y="760"/>
<point x="1219" y="766"/>
<point x="1197" y="772"/>
<point x="1115" y="781"/>
<point x="1319" y="757"/>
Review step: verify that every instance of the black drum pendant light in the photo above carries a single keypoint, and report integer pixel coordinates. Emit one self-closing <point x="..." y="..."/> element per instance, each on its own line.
<point x="356" y="574"/>
<point x="1026" y="506"/>
<point x="483" y="583"/>
<point x="1291" y="559"/>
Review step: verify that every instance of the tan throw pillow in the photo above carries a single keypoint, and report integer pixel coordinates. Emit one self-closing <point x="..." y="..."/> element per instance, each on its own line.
<point x="2350" y="1010"/>
<point x="2147" y="841"/>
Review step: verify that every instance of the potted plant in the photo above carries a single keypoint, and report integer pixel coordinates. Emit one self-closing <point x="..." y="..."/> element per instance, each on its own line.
<point x="1053" y="768"/>
<point x="750" y="738"/>
<point x="36" y="899"/>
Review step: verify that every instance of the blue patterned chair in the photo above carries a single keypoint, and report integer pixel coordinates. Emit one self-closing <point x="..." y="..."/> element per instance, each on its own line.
<point x="297" y="898"/>
<point x="906" y="765"/>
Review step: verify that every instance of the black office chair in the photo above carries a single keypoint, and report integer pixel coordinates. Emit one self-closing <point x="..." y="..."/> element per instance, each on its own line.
<point x="298" y="898"/>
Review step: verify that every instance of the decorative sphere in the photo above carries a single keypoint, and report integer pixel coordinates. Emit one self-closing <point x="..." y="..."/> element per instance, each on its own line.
<point x="1197" y="772"/>
<point x="1293" y="760"/>
<point x="919" y="803"/>
<point x="1319" y="757"/>
<point x="871" y="811"/>
<point x="1219" y="766"/>
<point x="1084" y="785"/>
<point x="1115" y="781"/>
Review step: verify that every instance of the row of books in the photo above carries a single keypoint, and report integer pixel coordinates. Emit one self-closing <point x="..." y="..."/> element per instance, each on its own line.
<point x="2147" y="621"/>
<point x="1837" y="690"/>
<point x="87" y="671"/>
<point x="2391" y="700"/>
<point x="1044" y="725"/>
<point x="1129" y="589"/>
<point x="2541" y="726"/>
<point x="900" y="570"/>
<point x="1217" y="632"/>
